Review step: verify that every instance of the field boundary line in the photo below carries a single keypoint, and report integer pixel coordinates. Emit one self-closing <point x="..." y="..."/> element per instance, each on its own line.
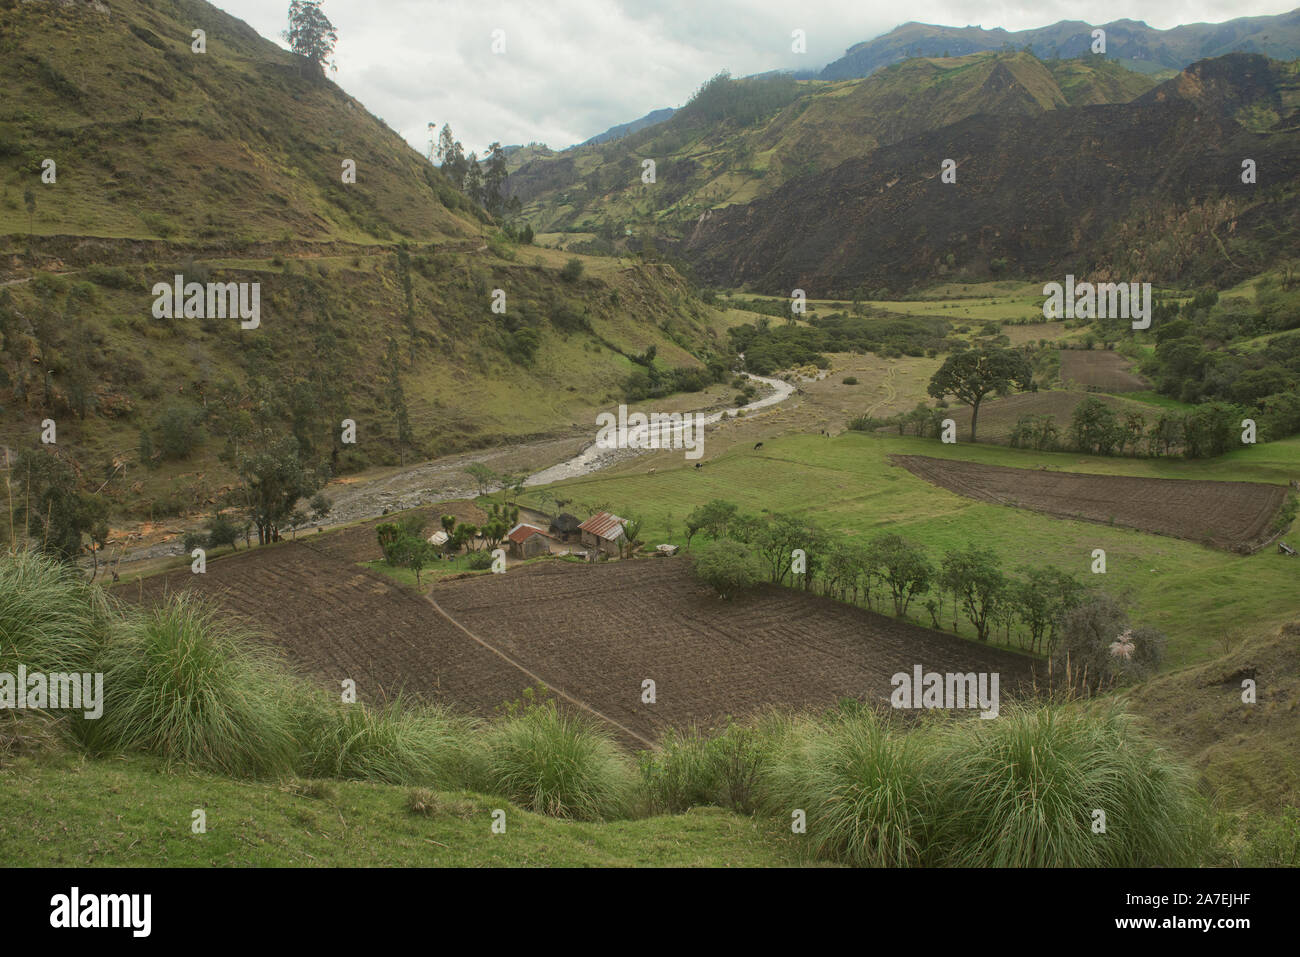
<point x="539" y="679"/>
<point x="496" y="651"/>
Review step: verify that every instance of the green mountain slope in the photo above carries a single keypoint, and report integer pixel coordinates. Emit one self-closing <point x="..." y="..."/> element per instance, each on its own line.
<point x="154" y="140"/>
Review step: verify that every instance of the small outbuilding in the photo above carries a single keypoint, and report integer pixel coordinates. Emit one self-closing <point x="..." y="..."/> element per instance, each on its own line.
<point x="603" y="532"/>
<point x="527" y="541"/>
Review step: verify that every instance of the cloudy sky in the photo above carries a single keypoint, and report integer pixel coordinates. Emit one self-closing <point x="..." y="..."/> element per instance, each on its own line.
<point x="573" y="68"/>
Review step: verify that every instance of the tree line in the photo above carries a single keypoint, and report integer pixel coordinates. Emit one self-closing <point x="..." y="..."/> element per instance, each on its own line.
<point x="1029" y="609"/>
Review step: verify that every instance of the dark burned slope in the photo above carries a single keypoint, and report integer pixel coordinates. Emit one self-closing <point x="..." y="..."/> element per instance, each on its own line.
<point x="1236" y="516"/>
<point x="1072" y="189"/>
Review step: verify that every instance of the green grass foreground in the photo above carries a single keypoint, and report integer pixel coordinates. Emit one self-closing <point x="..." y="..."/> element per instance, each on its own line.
<point x="134" y="812"/>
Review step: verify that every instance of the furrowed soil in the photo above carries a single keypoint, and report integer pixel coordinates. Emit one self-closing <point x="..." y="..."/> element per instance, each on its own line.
<point x="1235" y="516"/>
<point x="1102" y="370"/>
<point x="592" y="633"/>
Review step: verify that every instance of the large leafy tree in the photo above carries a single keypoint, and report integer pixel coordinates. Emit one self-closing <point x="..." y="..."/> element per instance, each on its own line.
<point x="973" y="375"/>
<point x="902" y="566"/>
<point x="310" y="33"/>
<point x="973" y="576"/>
<point x="275" y="478"/>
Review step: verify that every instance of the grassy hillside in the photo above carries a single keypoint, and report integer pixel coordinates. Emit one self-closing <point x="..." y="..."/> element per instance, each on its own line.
<point x="153" y="140"/>
<point x="1159" y="178"/>
<point x="84" y="349"/>
<point x="226" y="166"/>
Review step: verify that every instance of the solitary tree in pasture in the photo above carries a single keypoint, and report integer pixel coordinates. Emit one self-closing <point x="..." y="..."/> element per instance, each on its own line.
<point x="974" y="374"/>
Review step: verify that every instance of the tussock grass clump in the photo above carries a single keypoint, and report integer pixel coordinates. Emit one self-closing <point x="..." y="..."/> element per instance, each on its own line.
<point x="183" y="685"/>
<point x="51" y="619"/>
<point x="391" y="744"/>
<point x="422" y="801"/>
<point x="867" y="792"/>
<point x="1021" y="791"/>
<point x="693" y="769"/>
<point x="551" y="762"/>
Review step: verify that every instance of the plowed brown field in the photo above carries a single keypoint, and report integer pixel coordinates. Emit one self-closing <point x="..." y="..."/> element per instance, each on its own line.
<point x="1231" y="515"/>
<point x="1100" y="369"/>
<point x="594" y="633"/>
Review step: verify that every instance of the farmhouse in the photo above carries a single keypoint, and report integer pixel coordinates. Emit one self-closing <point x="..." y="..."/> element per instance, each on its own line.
<point x="566" y="527"/>
<point x="603" y="532"/>
<point x="527" y="541"/>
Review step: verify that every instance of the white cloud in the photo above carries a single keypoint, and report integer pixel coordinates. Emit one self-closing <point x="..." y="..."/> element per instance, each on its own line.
<point x="573" y="68"/>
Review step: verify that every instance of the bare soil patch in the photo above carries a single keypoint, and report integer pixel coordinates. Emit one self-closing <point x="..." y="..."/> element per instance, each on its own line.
<point x="336" y="620"/>
<point x="600" y="631"/>
<point x="1235" y="516"/>
<point x="1100" y="370"/>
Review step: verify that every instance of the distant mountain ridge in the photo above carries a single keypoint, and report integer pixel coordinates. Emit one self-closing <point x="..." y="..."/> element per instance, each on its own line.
<point x="624" y="129"/>
<point x="1131" y="41"/>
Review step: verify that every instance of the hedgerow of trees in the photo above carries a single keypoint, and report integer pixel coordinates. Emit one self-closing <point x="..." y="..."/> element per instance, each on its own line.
<point x="1029" y="608"/>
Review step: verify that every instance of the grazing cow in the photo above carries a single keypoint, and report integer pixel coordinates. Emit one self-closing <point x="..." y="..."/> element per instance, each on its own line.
<point x="651" y="472"/>
<point x="699" y="465"/>
<point x="758" y="445"/>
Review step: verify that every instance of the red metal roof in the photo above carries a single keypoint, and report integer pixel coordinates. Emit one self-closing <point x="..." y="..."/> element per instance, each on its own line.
<point x="522" y="532"/>
<point x="604" y="525"/>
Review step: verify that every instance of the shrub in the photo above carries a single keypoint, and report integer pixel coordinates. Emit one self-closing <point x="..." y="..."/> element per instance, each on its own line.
<point x="480" y="560"/>
<point x="692" y="769"/>
<point x="182" y="685"/>
<point x="555" y="763"/>
<point x="850" y="380"/>
<point x="727" y="566"/>
<point x="572" y="270"/>
<point x="111" y="277"/>
<point x="179" y="431"/>
<point x="1098" y="648"/>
